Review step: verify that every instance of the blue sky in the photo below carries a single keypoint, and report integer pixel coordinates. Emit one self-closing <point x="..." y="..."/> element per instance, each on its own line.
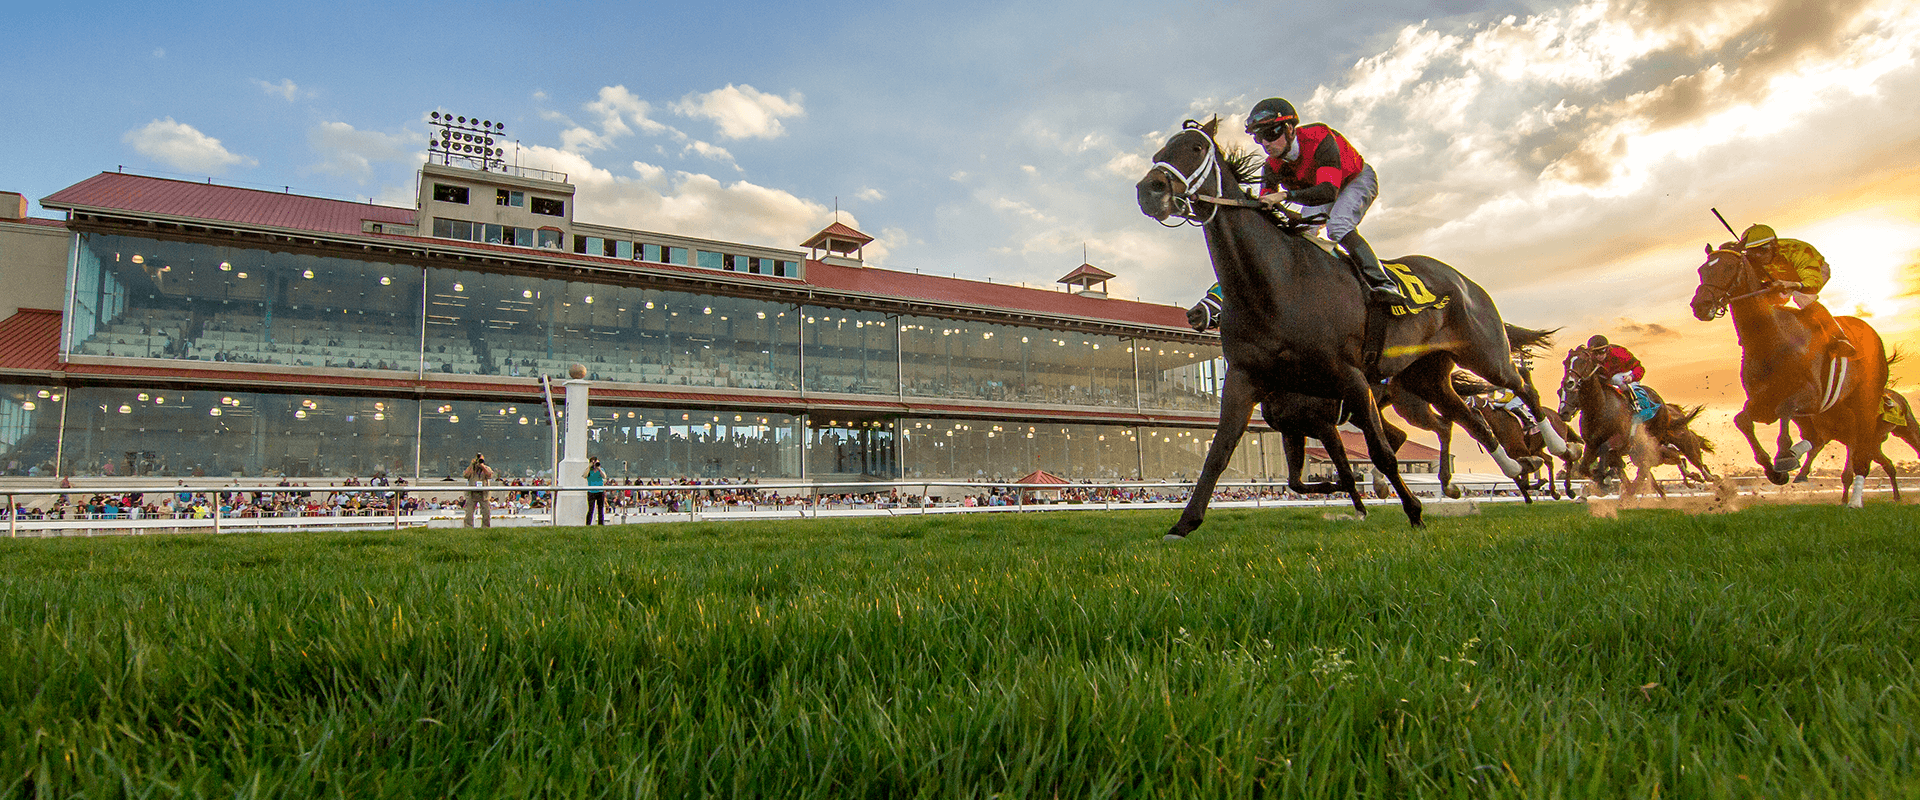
<point x="1563" y="154"/>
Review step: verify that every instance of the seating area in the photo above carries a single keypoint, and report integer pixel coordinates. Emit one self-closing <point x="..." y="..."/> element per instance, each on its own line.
<point x="139" y="333"/>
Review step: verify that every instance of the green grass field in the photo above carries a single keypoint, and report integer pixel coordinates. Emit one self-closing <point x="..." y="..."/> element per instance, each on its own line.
<point x="1520" y="652"/>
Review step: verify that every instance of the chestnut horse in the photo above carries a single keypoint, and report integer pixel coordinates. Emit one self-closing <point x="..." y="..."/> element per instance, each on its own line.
<point x="1607" y="423"/>
<point x="1908" y="430"/>
<point x="1296" y="318"/>
<point x="1788" y="374"/>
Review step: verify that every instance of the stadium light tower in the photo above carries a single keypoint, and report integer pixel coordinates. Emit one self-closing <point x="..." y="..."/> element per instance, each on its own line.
<point x="468" y="139"/>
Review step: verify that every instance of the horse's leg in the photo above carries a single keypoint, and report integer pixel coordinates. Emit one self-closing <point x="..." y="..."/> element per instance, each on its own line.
<point x="1236" y="406"/>
<point x="1501" y="372"/>
<point x="1744" y="422"/>
<point x="1329" y="437"/>
<point x="1786" y="459"/>
<point x="1359" y="396"/>
<point x="1295" y="446"/>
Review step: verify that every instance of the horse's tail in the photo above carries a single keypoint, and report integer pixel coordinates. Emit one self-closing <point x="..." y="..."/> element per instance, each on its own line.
<point x="1528" y="341"/>
<point x="1687" y="416"/>
<point x="1466" y="385"/>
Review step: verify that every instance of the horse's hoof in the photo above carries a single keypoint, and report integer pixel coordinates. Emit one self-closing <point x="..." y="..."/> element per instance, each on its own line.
<point x="1173" y="537"/>
<point x="1799" y="479"/>
<point x="1777" y="478"/>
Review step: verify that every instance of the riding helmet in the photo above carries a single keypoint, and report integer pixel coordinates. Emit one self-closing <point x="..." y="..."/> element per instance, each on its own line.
<point x="1597" y="342"/>
<point x="1270" y="112"/>
<point x="1757" y="236"/>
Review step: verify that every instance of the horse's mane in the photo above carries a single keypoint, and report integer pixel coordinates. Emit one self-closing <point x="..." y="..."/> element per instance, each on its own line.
<point x="1242" y="165"/>
<point x="1688" y="415"/>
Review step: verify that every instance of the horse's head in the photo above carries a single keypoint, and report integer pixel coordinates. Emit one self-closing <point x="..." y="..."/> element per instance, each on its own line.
<point x="1581" y="364"/>
<point x="1189" y="163"/>
<point x="1727" y="276"/>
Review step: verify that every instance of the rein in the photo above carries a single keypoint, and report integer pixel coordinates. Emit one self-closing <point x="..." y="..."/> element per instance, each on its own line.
<point x="1746" y="268"/>
<point x="1190" y="183"/>
<point x="1209" y="168"/>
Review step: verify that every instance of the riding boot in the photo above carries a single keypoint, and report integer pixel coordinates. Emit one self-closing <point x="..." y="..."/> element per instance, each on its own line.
<point x="1380" y="288"/>
<point x="1837" y="344"/>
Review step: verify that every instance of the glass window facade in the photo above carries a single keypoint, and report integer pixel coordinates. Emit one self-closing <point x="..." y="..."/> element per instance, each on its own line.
<point x="160" y="299"/>
<point x="852" y="352"/>
<point x="486" y="324"/>
<point x="170" y="433"/>
<point x="1008" y="363"/>
<point x="1180" y="376"/>
<point x="140" y="297"/>
<point x="30" y="429"/>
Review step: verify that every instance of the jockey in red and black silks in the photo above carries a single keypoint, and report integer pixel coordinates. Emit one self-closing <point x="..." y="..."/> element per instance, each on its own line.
<point x="1618" y="363"/>
<point x="1315" y="182"/>
<point x="1313" y="166"/>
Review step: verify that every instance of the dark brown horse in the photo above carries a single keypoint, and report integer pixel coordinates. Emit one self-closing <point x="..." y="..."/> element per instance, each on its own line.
<point x="1295" y="319"/>
<point x="1529" y="446"/>
<point x="1297" y="418"/>
<point x="1908" y="429"/>
<point x="1525" y="344"/>
<point x="1788" y="374"/>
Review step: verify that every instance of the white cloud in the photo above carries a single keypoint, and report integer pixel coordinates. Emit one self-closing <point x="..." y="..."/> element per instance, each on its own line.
<point x="654" y="198"/>
<point x="285" y="89"/>
<point x="351" y="153"/>
<point x="710" y="151"/>
<point x="743" y="112"/>
<point x="180" y="146"/>
<point x="614" y="109"/>
<point x="870" y="194"/>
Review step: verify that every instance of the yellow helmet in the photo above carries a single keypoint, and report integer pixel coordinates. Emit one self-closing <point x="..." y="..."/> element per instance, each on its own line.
<point x="1757" y="236"/>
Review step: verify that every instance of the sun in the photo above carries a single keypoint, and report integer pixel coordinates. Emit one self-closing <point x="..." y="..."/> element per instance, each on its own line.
<point x="1869" y="252"/>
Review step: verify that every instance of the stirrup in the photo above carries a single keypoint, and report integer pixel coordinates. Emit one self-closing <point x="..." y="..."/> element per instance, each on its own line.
<point x="1387" y="293"/>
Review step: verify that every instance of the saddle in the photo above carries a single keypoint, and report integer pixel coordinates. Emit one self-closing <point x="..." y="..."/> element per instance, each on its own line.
<point x="1646" y="402"/>
<point x="1891" y="411"/>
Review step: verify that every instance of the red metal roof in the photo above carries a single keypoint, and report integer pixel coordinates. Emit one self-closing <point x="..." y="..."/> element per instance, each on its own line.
<point x="1090" y="273"/>
<point x="1356" y="445"/>
<point x="1041" y="476"/>
<point x="174" y="198"/>
<point x="836" y="231"/>
<point x="915" y="286"/>
<point x="45" y="223"/>
<point x="30" y="340"/>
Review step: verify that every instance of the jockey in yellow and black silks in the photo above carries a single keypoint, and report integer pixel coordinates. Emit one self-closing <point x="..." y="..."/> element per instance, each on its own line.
<point x="1798" y="269"/>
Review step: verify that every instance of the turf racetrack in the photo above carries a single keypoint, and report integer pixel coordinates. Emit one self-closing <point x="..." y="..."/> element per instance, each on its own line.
<point x="1520" y="652"/>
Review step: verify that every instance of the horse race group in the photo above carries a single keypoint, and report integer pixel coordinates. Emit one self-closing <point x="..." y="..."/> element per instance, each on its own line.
<point x="1318" y="331"/>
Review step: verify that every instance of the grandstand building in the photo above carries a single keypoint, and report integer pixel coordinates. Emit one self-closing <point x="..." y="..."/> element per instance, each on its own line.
<point x="183" y="329"/>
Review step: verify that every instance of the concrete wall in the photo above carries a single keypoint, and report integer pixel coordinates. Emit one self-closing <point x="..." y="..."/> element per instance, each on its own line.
<point x="33" y="266"/>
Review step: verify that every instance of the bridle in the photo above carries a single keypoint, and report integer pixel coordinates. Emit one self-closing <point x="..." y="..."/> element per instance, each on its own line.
<point x="1725" y="296"/>
<point x="1190" y="183"/>
<point x="1571" y="381"/>
<point x="1186" y="201"/>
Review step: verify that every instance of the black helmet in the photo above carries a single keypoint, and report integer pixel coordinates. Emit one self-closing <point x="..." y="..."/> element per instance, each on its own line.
<point x="1269" y="113"/>
<point x="1596" y="342"/>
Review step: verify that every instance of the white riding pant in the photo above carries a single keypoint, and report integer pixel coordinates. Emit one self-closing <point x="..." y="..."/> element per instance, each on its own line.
<point x="1350" y="206"/>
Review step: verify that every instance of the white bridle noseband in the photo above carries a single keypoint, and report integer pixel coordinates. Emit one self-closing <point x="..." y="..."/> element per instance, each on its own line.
<point x="1183" y="203"/>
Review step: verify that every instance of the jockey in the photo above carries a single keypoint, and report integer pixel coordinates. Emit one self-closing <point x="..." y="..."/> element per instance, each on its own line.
<point x="1313" y="166"/>
<point x="1623" y="370"/>
<point x="1506" y="400"/>
<point x="1798" y="268"/>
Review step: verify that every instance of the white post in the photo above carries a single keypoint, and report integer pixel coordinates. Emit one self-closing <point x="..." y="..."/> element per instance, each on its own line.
<point x="570" y="508"/>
